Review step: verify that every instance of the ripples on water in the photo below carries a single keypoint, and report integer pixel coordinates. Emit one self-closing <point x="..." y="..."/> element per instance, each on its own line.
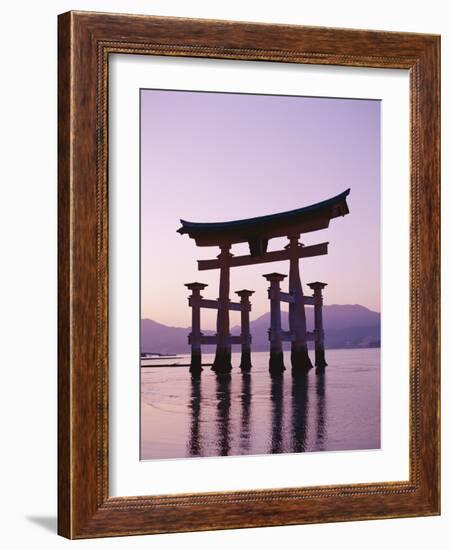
<point x="250" y="414"/>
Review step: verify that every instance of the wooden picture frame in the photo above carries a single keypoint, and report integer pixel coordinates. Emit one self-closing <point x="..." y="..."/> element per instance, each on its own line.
<point x="85" y="508"/>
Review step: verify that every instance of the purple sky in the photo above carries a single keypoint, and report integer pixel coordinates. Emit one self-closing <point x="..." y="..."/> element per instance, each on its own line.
<point x="216" y="157"/>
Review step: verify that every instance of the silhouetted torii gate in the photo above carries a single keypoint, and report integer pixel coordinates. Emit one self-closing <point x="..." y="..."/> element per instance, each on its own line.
<point x="257" y="232"/>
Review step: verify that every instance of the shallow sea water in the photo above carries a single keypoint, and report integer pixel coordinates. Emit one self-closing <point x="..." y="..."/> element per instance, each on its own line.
<point x="331" y="410"/>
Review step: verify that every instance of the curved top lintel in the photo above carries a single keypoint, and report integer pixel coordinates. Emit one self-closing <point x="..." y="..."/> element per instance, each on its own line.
<point x="301" y="220"/>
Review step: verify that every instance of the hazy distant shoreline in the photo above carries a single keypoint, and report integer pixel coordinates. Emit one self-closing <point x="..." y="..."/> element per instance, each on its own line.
<point x="186" y="359"/>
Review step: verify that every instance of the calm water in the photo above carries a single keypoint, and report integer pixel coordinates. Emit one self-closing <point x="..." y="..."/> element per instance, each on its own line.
<point x="254" y="414"/>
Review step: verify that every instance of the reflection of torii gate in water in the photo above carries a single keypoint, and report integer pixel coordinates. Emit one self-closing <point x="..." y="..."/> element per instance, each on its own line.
<point x="257" y="232"/>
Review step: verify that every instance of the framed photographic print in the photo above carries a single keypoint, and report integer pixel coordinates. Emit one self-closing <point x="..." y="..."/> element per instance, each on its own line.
<point x="248" y="275"/>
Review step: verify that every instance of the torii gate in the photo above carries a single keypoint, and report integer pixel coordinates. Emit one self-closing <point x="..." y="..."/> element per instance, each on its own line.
<point x="257" y="232"/>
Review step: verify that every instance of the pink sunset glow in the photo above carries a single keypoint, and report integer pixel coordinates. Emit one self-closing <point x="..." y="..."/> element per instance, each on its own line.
<point x="218" y="157"/>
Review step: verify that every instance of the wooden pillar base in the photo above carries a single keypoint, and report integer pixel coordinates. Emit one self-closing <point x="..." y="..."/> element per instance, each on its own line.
<point x="245" y="362"/>
<point x="276" y="365"/>
<point x="195" y="363"/>
<point x="320" y="357"/>
<point x="300" y="359"/>
<point x="222" y="363"/>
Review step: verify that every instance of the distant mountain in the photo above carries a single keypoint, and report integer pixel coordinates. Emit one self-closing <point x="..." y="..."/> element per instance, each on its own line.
<point x="346" y="326"/>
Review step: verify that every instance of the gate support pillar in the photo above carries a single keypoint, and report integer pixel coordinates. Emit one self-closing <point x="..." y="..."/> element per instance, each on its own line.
<point x="276" y="351"/>
<point x="317" y="287"/>
<point x="194" y="338"/>
<point x="245" y="308"/>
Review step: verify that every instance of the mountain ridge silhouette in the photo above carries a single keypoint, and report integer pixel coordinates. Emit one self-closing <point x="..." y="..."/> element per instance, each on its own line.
<point x="346" y="326"/>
